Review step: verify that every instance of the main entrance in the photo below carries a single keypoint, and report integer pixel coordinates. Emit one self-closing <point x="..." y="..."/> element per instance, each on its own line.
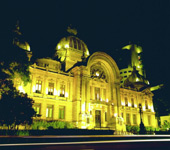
<point x="97" y="118"/>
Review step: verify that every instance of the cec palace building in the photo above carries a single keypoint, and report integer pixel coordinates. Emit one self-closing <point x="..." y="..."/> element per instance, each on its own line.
<point x="88" y="90"/>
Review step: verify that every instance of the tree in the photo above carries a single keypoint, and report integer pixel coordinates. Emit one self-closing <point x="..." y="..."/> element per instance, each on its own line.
<point x="16" y="109"/>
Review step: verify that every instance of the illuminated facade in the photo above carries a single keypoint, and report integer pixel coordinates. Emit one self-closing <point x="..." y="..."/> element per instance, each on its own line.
<point x="85" y="89"/>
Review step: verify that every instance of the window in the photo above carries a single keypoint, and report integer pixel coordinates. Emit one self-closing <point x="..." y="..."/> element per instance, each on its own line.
<point x="50" y="88"/>
<point x="37" y="108"/>
<point x="126" y="101"/>
<point x="70" y="43"/>
<point x="38" y="86"/>
<point x="83" y="47"/>
<point x="88" y="120"/>
<point x="149" y="120"/>
<point x="134" y="119"/>
<point x="91" y="93"/>
<point x="62" y="112"/>
<point x="62" y="90"/>
<point x="105" y="116"/>
<point x="146" y="104"/>
<point x="90" y="112"/>
<point x="122" y="115"/>
<point x="127" y="118"/>
<point x="49" y="111"/>
<point x="97" y="93"/>
<point x="132" y="101"/>
<point x="104" y="94"/>
<point x="79" y="45"/>
<point x="75" y="43"/>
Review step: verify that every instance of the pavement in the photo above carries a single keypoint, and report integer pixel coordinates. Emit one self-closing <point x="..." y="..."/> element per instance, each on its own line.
<point x="92" y="142"/>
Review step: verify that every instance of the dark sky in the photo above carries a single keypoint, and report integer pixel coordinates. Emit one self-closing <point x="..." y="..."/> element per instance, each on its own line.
<point x="104" y="25"/>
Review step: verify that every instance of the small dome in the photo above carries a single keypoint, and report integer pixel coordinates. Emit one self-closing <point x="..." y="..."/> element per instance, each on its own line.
<point x="21" y="44"/>
<point x="73" y="43"/>
<point x="136" y="81"/>
<point x="18" y="39"/>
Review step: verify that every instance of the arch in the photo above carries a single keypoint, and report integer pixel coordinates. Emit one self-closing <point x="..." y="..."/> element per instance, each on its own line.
<point x="107" y="63"/>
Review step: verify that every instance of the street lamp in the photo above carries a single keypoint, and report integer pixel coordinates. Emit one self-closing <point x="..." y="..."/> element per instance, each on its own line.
<point x="142" y="127"/>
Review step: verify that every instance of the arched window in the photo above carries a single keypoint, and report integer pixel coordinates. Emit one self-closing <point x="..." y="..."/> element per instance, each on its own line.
<point x="146" y="104"/>
<point x="126" y="101"/>
<point x="132" y="102"/>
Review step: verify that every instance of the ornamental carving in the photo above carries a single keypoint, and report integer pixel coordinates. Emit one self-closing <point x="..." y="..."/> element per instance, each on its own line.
<point x="97" y="72"/>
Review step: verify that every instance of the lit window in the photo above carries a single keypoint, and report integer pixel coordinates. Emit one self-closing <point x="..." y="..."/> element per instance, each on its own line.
<point x="62" y="112"/>
<point x="49" y="111"/>
<point x="105" y="116"/>
<point x="132" y="101"/>
<point x="134" y="119"/>
<point x="62" y="90"/>
<point x="122" y="115"/>
<point x="90" y="112"/>
<point x="127" y="118"/>
<point x="88" y="120"/>
<point x="97" y="93"/>
<point x="37" y="108"/>
<point x="91" y="92"/>
<point x="38" y="86"/>
<point x="146" y="104"/>
<point x="126" y="101"/>
<point x="50" y="88"/>
<point x="149" y="120"/>
<point x="104" y="94"/>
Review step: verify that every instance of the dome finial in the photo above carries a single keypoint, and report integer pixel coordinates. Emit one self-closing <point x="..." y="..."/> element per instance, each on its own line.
<point x="71" y="30"/>
<point x="17" y="28"/>
<point x="17" y="25"/>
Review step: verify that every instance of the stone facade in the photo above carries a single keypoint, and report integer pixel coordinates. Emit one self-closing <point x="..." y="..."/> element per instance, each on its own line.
<point x="85" y="89"/>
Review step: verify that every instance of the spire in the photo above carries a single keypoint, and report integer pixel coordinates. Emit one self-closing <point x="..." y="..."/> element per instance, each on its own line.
<point x="17" y="28"/>
<point x="71" y="30"/>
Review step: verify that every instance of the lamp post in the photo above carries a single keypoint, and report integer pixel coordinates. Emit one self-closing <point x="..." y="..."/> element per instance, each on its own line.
<point x="142" y="127"/>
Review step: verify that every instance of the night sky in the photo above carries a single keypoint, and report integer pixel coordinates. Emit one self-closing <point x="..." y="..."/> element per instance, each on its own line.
<point x="104" y="25"/>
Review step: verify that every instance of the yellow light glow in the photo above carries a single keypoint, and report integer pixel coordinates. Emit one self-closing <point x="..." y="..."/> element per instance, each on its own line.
<point x="58" y="92"/>
<point x="20" y="88"/>
<point x="59" y="46"/>
<point x="107" y="100"/>
<point x="83" y="107"/>
<point x="83" y="127"/>
<point x="87" y="53"/>
<point x="115" y="114"/>
<point x="55" y="92"/>
<point x="33" y="88"/>
<point x="66" y="46"/>
<point x="143" y="108"/>
<point x="66" y="95"/>
<point x="46" y="90"/>
<point x="123" y="103"/>
<point x="97" y="74"/>
<point x="135" y="105"/>
<point x="137" y="79"/>
<point x="100" y="99"/>
<point x="152" y="109"/>
<point x="138" y="66"/>
<point x="129" y="104"/>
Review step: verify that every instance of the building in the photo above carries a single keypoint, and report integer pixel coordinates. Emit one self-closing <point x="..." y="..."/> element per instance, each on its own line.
<point x="85" y="89"/>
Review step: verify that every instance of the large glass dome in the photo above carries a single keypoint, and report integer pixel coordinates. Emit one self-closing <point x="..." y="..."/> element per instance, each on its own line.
<point x="73" y="43"/>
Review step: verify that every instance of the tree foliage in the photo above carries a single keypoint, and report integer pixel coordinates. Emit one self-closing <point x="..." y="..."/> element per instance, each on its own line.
<point x="16" y="109"/>
<point x="14" y="63"/>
